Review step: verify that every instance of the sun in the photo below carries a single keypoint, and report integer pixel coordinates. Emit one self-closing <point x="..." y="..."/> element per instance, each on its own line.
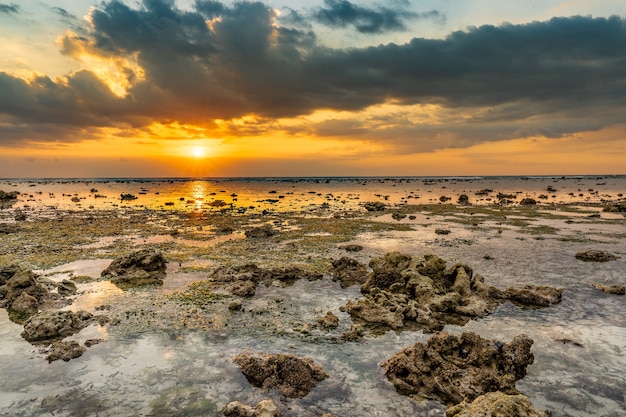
<point x="198" y="152"/>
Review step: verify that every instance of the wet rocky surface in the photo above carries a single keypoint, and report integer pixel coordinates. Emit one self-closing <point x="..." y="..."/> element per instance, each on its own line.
<point x="595" y="256"/>
<point x="497" y="404"/>
<point x="143" y="267"/>
<point x="167" y="349"/>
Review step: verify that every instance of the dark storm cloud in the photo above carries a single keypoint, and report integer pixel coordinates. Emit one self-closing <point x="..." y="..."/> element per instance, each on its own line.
<point x="342" y="13"/>
<point x="9" y="8"/>
<point x="536" y="76"/>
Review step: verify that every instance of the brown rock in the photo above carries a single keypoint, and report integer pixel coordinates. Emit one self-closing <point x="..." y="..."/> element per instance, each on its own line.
<point x="534" y="296"/>
<point x="329" y="321"/>
<point x="611" y="289"/>
<point x="451" y="369"/>
<point x="267" y="230"/>
<point x="349" y="272"/>
<point x="243" y="288"/>
<point x="265" y="408"/>
<point x="293" y="377"/>
<point x="497" y="404"/>
<point x="144" y="267"/>
<point x="65" y="351"/>
<point x="50" y="325"/>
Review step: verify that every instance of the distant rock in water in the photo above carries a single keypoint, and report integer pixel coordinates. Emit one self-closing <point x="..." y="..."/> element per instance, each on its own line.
<point x="450" y="368"/>
<point x="7" y="199"/>
<point x="374" y="206"/>
<point x="528" y="202"/>
<point x="595" y="256"/>
<point x="143" y="267"/>
<point x="463" y="200"/>
<point x="267" y="230"/>
<point x="611" y="289"/>
<point x="128" y="197"/>
<point x="293" y="377"/>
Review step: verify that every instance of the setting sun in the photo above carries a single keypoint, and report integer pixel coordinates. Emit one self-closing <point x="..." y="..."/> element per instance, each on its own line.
<point x="198" y="152"/>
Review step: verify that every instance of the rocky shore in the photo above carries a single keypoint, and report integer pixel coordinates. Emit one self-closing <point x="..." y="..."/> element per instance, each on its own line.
<point x="317" y="312"/>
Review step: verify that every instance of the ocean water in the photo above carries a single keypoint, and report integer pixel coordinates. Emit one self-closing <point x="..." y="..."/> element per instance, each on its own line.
<point x="178" y="372"/>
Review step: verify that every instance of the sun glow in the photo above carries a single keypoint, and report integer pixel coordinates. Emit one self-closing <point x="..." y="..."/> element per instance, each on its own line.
<point x="198" y="152"/>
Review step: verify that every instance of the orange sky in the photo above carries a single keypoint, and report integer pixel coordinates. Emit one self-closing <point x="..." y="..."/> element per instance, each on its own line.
<point x="242" y="89"/>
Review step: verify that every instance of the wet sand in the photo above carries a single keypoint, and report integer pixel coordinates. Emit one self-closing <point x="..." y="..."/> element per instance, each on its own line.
<point x="169" y="357"/>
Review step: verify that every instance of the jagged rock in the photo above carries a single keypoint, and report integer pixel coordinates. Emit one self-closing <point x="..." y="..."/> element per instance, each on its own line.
<point x="402" y="292"/>
<point x="450" y="368"/>
<point x="25" y="305"/>
<point x="329" y="321"/>
<point x="235" y="305"/>
<point x="293" y="377"/>
<point x="243" y="288"/>
<point x="265" y="408"/>
<point x="611" y="289"/>
<point x="50" y="325"/>
<point x="595" y="256"/>
<point x="66" y="287"/>
<point x="65" y="350"/>
<point x="251" y="272"/>
<point x="8" y="199"/>
<point x="348" y="271"/>
<point x="143" y="267"/>
<point x="497" y="404"/>
<point x="267" y="230"/>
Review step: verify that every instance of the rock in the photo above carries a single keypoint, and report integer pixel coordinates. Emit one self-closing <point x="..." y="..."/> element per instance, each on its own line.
<point x="442" y="231"/>
<point x="50" y="325"/>
<point x="235" y="305"/>
<point x="143" y="267"/>
<point x="534" y="296"/>
<point x="450" y="368"/>
<point x="128" y="197"/>
<point x="21" y="294"/>
<point x="402" y="292"/>
<point x="250" y="272"/>
<point x="293" y="377"/>
<point x="528" y="202"/>
<point x="611" y="289"/>
<point x="497" y="404"/>
<point x="374" y="206"/>
<point x="75" y="200"/>
<point x="66" y="287"/>
<point x="8" y="199"/>
<point x="65" y="350"/>
<point x="243" y="288"/>
<point x="595" y="256"/>
<point x="265" y="408"/>
<point x="349" y="272"/>
<point x="619" y="207"/>
<point x="352" y="248"/>
<point x="329" y="321"/>
<point x="463" y="200"/>
<point x="398" y="216"/>
<point x="266" y="230"/>
<point x="91" y="342"/>
<point x="444" y="198"/>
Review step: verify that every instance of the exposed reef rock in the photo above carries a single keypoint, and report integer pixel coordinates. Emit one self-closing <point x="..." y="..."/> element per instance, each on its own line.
<point x="293" y="377"/>
<point x="7" y="199"/>
<point x="244" y="278"/>
<point x="144" y="267"/>
<point x="65" y="350"/>
<point x="53" y="325"/>
<point x="402" y="292"/>
<point x="595" y="256"/>
<point x="349" y="272"/>
<point x="265" y="408"/>
<point x="20" y="293"/>
<point x="451" y="369"/>
<point x="374" y="206"/>
<point x="619" y="207"/>
<point x="267" y="230"/>
<point x="497" y="404"/>
<point x="611" y="289"/>
<point x="329" y="321"/>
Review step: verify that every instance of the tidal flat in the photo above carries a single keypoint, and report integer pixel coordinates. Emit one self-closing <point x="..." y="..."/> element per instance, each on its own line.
<point x="168" y="349"/>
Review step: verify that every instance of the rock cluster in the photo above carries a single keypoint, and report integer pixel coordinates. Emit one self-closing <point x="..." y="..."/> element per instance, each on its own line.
<point x="348" y="271"/>
<point x="143" y="267"/>
<point x="374" y="206"/>
<point x="267" y="230"/>
<point x="452" y="369"/>
<point x="8" y="198"/>
<point x="293" y="377"/>
<point x="243" y="279"/>
<point x="402" y="292"/>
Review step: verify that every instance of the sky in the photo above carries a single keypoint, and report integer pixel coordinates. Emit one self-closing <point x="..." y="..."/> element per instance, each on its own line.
<point x="179" y="88"/>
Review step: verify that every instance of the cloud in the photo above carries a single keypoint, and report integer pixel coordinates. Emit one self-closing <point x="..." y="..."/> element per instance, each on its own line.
<point x="342" y="13"/>
<point x="221" y="62"/>
<point x="9" y="8"/>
